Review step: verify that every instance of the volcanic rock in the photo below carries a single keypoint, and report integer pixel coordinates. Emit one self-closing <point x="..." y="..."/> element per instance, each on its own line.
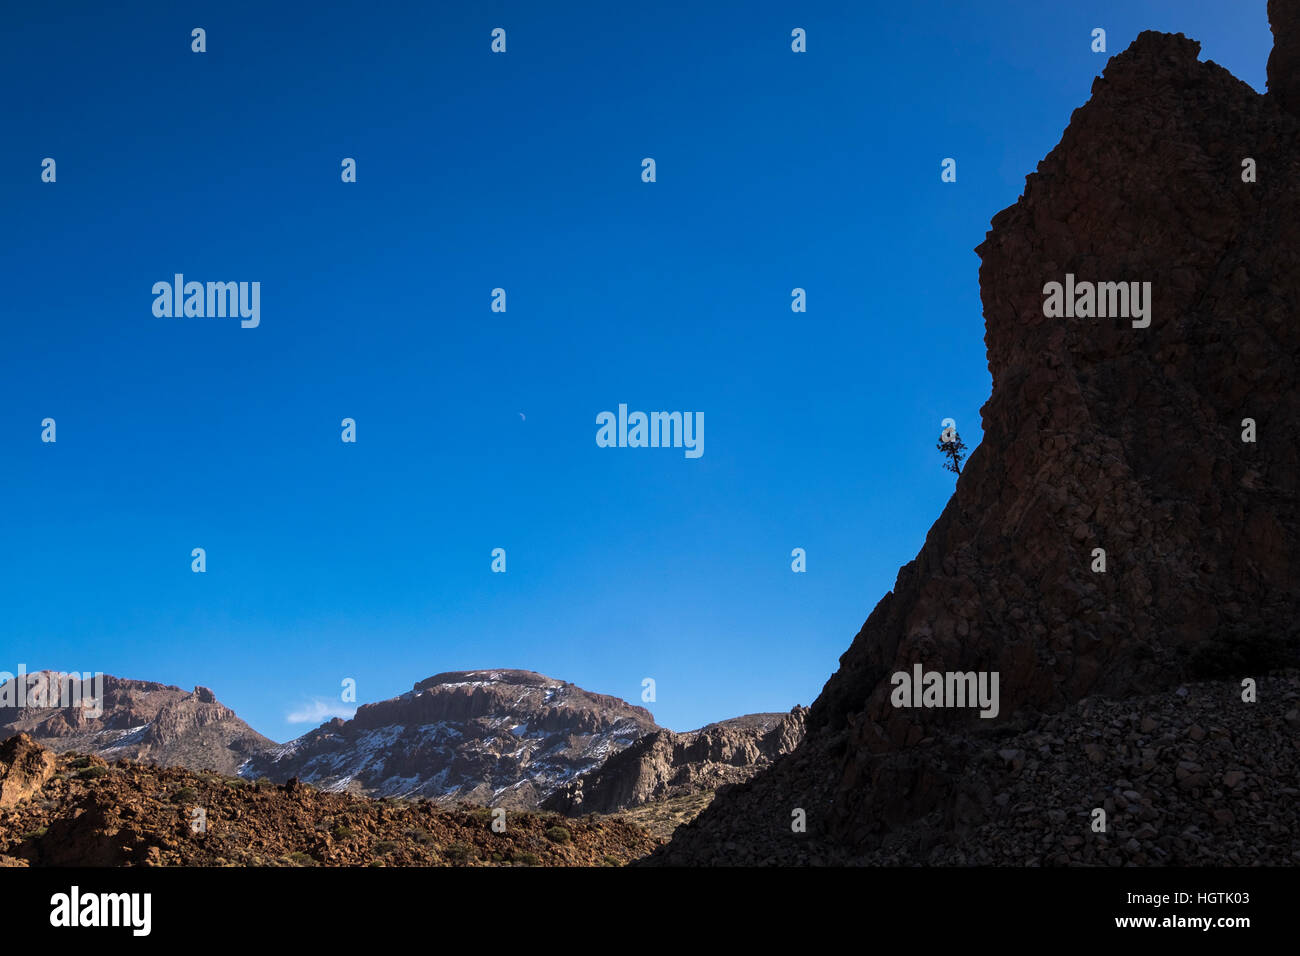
<point x="129" y="814"/>
<point x="664" y="765"/>
<point x="25" y="766"/>
<point x="1134" y="435"/>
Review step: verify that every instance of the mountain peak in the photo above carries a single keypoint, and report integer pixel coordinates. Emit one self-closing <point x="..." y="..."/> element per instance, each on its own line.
<point x="118" y="718"/>
<point x="488" y="677"/>
<point x="500" y="736"/>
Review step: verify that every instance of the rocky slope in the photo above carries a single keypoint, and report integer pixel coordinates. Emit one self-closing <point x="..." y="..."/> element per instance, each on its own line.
<point x="1186" y="778"/>
<point x="86" y="812"/>
<point x="136" y="720"/>
<point x="664" y="765"/>
<point x="503" y="738"/>
<point x="1098" y="434"/>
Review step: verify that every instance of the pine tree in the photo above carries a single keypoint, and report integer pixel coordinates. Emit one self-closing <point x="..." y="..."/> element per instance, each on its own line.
<point x="953" y="448"/>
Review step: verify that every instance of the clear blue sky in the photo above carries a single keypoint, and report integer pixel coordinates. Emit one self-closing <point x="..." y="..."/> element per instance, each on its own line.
<point x="476" y="429"/>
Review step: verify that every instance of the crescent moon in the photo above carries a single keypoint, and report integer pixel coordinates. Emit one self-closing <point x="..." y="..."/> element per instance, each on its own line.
<point x="521" y="417"/>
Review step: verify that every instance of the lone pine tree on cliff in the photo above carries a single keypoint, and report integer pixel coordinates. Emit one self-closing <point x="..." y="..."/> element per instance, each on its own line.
<point x="952" y="446"/>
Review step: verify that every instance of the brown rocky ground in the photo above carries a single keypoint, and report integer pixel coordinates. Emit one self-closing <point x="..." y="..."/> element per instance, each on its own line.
<point x="92" y="813"/>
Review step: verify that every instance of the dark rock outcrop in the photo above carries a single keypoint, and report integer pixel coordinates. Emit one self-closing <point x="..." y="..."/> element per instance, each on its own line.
<point x="1098" y="434"/>
<point x="663" y="765"/>
<point x="1284" y="60"/>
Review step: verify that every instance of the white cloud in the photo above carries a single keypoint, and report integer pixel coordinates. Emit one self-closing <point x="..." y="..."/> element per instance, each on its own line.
<point x="319" y="710"/>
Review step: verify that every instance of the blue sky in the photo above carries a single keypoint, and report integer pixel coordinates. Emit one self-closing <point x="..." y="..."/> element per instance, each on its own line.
<point x="476" y="430"/>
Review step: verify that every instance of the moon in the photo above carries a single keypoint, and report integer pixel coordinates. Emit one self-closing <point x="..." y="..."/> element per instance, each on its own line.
<point x="521" y="417"/>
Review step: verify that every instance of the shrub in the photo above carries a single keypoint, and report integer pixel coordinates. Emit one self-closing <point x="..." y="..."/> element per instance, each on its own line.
<point x="559" y="835"/>
<point x="342" y="831"/>
<point x="299" y="858"/>
<point x="384" y="847"/>
<point x="92" y="773"/>
<point x="185" y="795"/>
<point x="612" y="860"/>
<point x="419" y="835"/>
<point x="458" y="853"/>
<point x="526" y="859"/>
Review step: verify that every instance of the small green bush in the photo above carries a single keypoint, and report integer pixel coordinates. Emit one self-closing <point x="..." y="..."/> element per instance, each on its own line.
<point x="559" y="835"/>
<point x="527" y="859"/>
<point x="185" y="795"/>
<point x="92" y="773"/>
<point x="342" y="831"/>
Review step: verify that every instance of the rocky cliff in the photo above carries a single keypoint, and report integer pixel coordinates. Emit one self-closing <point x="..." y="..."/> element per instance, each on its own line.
<point x="134" y="720"/>
<point x="500" y="737"/>
<point x="1099" y="434"/>
<point x="664" y="765"/>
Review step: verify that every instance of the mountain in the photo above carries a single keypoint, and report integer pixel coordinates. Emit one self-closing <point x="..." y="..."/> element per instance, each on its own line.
<point x="136" y="720"/>
<point x="66" y="810"/>
<point x="494" y="737"/>
<point x="664" y="765"/>
<point x="1100" y="433"/>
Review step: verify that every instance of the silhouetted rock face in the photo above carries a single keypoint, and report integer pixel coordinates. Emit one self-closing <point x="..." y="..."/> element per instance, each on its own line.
<point x="1097" y="435"/>
<point x="499" y="737"/>
<point x="1102" y="435"/>
<point x="1284" y="60"/>
<point x="135" y="720"/>
<point x="663" y="765"/>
